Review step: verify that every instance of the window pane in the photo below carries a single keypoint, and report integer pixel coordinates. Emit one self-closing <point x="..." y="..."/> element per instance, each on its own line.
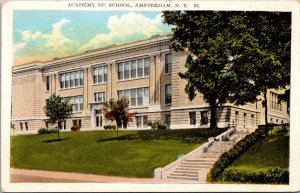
<point x="120" y="94"/>
<point x="126" y="70"/>
<point x="105" y="74"/>
<point x="138" y="122"/>
<point x="133" y="69"/>
<point x="62" y="81"/>
<point x="147" y="66"/>
<point x="120" y="71"/>
<point x="168" y="62"/>
<point x="146" y="96"/>
<point x="67" y="80"/>
<point x="72" y="77"/>
<point x="140" y="96"/>
<point x="81" y="77"/>
<point x="77" y="78"/>
<point x="133" y="97"/>
<point x="100" y="75"/>
<point x="140" y="68"/>
<point x="95" y="77"/>
<point x="192" y="118"/>
<point x="127" y="94"/>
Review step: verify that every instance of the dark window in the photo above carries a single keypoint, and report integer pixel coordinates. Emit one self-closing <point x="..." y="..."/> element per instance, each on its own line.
<point x="168" y="94"/>
<point x="26" y="126"/>
<point x="139" y="122"/>
<point x="145" y="121"/>
<point x="77" y="122"/>
<point x="21" y="126"/>
<point x="168" y="63"/>
<point x="47" y="83"/>
<point x="168" y="119"/>
<point x="65" y="125"/>
<point x="204" y="118"/>
<point x="59" y="125"/>
<point x="192" y="118"/>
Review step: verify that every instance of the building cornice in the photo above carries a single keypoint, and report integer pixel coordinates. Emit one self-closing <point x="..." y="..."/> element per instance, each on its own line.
<point x="106" y="53"/>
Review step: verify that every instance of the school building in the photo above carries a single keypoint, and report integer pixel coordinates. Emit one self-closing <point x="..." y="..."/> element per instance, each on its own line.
<point x="145" y="72"/>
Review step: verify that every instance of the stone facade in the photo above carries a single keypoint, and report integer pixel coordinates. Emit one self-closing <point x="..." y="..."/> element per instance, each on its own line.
<point x="147" y="72"/>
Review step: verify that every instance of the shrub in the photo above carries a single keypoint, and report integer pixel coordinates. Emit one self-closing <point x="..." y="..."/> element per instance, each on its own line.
<point x="109" y="127"/>
<point x="42" y="131"/>
<point x="275" y="175"/>
<point x="157" y="125"/>
<point x="230" y="156"/>
<point x="75" y="128"/>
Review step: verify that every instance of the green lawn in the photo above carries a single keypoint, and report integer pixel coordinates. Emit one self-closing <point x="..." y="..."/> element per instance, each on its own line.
<point x="132" y="154"/>
<point x="272" y="151"/>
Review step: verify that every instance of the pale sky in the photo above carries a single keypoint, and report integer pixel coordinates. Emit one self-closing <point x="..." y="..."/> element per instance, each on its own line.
<point x="43" y="35"/>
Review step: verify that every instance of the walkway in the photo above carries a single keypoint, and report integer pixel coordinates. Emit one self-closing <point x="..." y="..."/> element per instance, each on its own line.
<point x="22" y="175"/>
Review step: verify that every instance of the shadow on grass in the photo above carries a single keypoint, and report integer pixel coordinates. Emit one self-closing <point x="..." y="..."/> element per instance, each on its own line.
<point x="54" y="140"/>
<point x="185" y="135"/>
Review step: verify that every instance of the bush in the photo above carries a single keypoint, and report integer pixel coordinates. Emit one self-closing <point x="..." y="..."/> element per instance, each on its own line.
<point x="230" y="156"/>
<point x="109" y="127"/>
<point x="42" y="131"/>
<point x="75" y="128"/>
<point x="275" y="175"/>
<point x="157" y="125"/>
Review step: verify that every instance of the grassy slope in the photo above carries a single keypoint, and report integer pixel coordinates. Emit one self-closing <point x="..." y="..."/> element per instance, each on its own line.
<point x="134" y="153"/>
<point x="267" y="152"/>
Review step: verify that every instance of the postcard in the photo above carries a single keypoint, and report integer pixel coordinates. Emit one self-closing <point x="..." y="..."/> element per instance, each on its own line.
<point x="150" y="96"/>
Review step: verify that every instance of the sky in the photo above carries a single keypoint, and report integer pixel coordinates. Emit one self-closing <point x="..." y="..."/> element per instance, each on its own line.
<point x="42" y="35"/>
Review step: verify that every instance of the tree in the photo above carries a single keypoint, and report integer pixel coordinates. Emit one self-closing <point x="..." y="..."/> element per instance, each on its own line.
<point x="234" y="56"/>
<point x="58" y="110"/>
<point x="219" y="43"/>
<point x="272" y="55"/>
<point x="118" y="111"/>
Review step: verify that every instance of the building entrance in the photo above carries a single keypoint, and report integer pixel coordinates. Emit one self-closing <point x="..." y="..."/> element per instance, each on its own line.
<point x="98" y="118"/>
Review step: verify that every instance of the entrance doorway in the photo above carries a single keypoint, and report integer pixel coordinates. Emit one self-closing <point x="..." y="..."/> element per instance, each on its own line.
<point x="98" y="116"/>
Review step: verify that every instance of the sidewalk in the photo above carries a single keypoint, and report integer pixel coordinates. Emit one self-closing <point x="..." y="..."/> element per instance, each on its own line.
<point x="22" y="175"/>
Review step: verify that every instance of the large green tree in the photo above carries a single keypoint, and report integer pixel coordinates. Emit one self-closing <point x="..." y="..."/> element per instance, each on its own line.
<point x="226" y="53"/>
<point x="58" y="110"/>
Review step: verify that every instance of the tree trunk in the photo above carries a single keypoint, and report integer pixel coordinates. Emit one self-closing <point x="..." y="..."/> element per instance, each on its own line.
<point x="266" y="111"/>
<point x="214" y="113"/>
<point x="58" y="137"/>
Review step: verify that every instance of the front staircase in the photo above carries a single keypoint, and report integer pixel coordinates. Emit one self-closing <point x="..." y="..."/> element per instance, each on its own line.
<point x="193" y="167"/>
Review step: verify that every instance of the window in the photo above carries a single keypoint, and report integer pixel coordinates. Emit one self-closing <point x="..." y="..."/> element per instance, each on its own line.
<point x="252" y="119"/>
<point x="204" y="118"/>
<point x="99" y="74"/>
<point x="26" y="126"/>
<point x="136" y="96"/>
<point x="134" y="69"/>
<point x="141" y="121"/>
<point x="274" y="102"/>
<point x="47" y="83"/>
<point x="168" y="63"/>
<point x="168" y="119"/>
<point x="21" y="126"/>
<point x="168" y="94"/>
<point x="71" y="79"/>
<point x="99" y="97"/>
<point x="245" y="119"/>
<point x="236" y="119"/>
<point x="46" y="124"/>
<point x="77" y="122"/>
<point x="192" y="118"/>
<point x="77" y="102"/>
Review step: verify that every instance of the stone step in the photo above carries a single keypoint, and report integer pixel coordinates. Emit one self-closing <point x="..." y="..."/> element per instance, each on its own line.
<point x="185" y="171"/>
<point x="183" y="178"/>
<point x="190" y="169"/>
<point x="195" y="167"/>
<point x="200" y="161"/>
<point x="183" y="175"/>
<point x="196" y="163"/>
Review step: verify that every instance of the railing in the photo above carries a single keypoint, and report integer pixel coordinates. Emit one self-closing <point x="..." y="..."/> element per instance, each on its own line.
<point x="162" y="173"/>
